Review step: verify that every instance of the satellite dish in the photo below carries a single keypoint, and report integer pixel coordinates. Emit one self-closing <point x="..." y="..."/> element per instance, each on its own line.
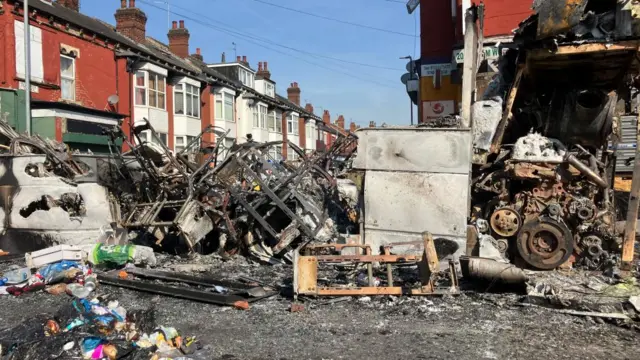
<point x="113" y="99"/>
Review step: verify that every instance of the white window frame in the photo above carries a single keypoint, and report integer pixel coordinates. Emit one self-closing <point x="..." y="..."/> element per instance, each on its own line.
<point x="179" y="147"/>
<point x="255" y="117"/>
<point x="187" y="91"/>
<point x="263" y="112"/>
<point x="269" y="89"/>
<point x="137" y="87"/>
<point x="270" y="116"/>
<point x="158" y="91"/>
<point x="293" y="124"/>
<point x="220" y="114"/>
<point x="71" y="79"/>
<point x="147" y="89"/>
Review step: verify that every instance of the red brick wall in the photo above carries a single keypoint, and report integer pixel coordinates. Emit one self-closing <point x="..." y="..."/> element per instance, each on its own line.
<point x="95" y="64"/>
<point x="502" y="16"/>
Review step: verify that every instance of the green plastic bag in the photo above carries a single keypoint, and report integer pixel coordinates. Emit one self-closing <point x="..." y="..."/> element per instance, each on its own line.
<point x="111" y="254"/>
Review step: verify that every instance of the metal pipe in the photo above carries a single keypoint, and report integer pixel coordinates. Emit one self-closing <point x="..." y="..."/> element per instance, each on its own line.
<point x="586" y="171"/>
<point x="629" y="240"/>
<point x="27" y="64"/>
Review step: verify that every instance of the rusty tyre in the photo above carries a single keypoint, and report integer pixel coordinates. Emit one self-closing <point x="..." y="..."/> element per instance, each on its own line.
<point x="544" y="243"/>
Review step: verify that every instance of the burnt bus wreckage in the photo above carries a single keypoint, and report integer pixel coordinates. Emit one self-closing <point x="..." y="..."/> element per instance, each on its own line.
<point x="225" y="200"/>
<point x="546" y="130"/>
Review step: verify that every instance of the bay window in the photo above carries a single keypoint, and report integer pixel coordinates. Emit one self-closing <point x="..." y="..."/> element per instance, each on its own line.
<point x="225" y="107"/>
<point x="68" y="77"/>
<point x="187" y="100"/>
<point x="292" y="124"/>
<point x="150" y="89"/>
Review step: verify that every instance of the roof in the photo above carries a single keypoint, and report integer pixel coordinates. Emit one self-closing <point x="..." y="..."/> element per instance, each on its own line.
<point x="296" y="107"/>
<point x="108" y="31"/>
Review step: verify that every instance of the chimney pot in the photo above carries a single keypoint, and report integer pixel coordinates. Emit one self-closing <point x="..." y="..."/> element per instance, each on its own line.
<point x="198" y="51"/>
<point x="223" y="58"/>
<point x="244" y="59"/>
<point x="131" y="22"/>
<point x="260" y="66"/>
<point x="175" y="25"/>
<point x="239" y="58"/>
<point x="181" y="24"/>
<point x="123" y="4"/>
<point x="265" y="66"/>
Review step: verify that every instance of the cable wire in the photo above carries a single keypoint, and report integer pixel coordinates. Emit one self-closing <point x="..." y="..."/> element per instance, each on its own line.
<point x="333" y="19"/>
<point x="258" y="43"/>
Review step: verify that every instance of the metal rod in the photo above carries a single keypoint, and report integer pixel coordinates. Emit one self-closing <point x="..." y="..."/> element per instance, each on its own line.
<point x="586" y="171"/>
<point x="27" y="64"/>
<point x="632" y="211"/>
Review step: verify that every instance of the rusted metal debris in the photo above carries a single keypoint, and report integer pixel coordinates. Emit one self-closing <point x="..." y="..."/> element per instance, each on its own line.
<point x="306" y="268"/>
<point x="230" y="200"/>
<point x="543" y="192"/>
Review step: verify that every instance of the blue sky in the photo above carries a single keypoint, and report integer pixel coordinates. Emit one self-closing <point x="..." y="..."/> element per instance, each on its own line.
<point x="368" y="94"/>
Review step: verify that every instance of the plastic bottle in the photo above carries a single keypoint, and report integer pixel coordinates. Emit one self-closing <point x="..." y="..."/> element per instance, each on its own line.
<point x="17" y="276"/>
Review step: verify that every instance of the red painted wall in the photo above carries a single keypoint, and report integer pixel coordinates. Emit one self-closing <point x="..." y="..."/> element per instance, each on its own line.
<point x="437" y="31"/>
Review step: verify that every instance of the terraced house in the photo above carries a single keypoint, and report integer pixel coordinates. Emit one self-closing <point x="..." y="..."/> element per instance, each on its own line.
<point x="87" y="74"/>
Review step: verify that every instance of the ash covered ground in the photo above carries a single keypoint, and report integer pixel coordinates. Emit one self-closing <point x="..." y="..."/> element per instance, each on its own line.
<point x="469" y="326"/>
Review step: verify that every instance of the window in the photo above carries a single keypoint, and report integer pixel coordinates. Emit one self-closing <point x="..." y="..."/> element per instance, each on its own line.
<point x="37" y="64"/>
<point x="225" y="107"/>
<point x="144" y="136"/>
<point x="187" y="100"/>
<point x="141" y="88"/>
<point x="269" y="89"/>
<point x="263" y="116"/>
<point x="179" y="144"/>
<point x="271" y="122"/>
<point x="292" y="124"/>
<point x="157" y="89"/>
<point x="228" y="107"/>
<point x="68" y="77"/>
<point x="196" y="146"/>
<point x="256" y="119"/>
<point x="245" y="77"/>
<point x="279" y="124"/>
<point x="279" y="153"/>
<point x="163" y="138"/>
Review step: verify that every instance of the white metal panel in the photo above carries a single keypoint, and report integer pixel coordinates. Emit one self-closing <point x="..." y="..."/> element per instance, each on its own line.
<point x="19" y="35"/>
<point x="154" y="68"/>
<point x="414" y="203"/>
<point x="414" y="150"/>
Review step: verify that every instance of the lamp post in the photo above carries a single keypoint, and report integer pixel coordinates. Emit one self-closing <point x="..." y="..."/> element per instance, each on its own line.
<point x="410" y="82"/>
<point x="27" y="64"/>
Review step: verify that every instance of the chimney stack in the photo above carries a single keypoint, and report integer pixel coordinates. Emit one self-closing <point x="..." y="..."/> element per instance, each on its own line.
<point x="352" y="127"/>
<point x="131" y="21"/>
<point x="263" y="70"/>
<point x="309" y="108"/>
<point x="326" y="117"/>
<point x="340" y="122"/>
<point x="293" y="93"/>
<point x="198" y="55"/>
<point x="179" y="40"/>
<point x="372" y="124"/>
<point x="71" y="4"/>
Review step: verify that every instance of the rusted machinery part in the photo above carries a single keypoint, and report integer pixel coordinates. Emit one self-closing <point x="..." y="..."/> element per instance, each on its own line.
<point x="491" y="271"/>
<point x="505" y="222"/>
<point x="544" y="243"/>
<point x="503" y="245"/>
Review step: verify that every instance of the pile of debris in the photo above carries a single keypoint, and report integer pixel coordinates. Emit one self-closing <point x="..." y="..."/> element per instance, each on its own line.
<point x="228" y="200"/>
<point x="543" y="174"/>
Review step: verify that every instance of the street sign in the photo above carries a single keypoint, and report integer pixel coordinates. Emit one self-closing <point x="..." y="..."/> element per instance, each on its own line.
<point x="412" y="5"/>
<point x="412" y="85"/>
